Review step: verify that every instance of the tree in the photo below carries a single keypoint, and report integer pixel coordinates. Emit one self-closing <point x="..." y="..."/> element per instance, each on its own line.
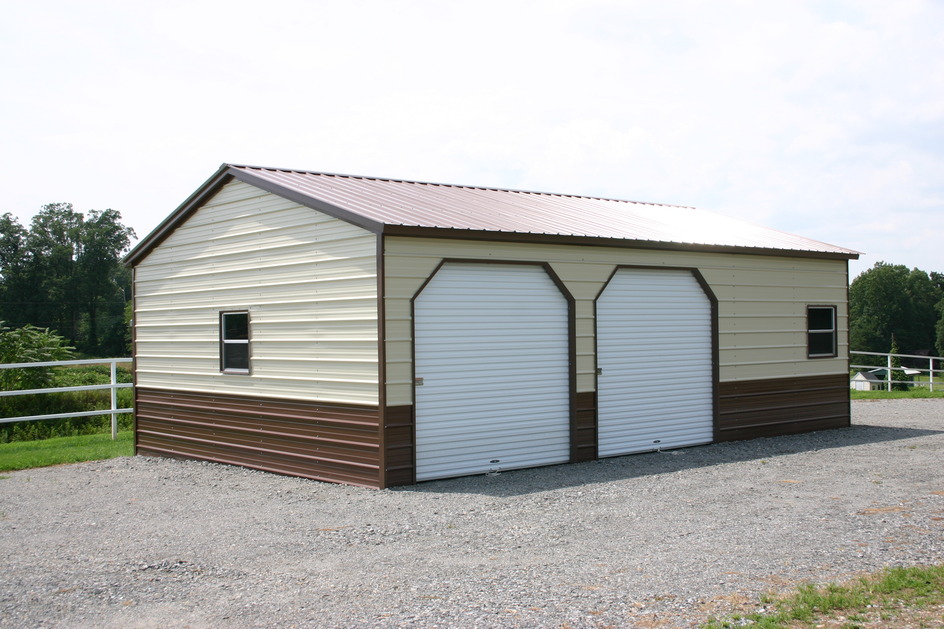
<point x="103" y="280"/>
<point x="940" y="328"/>
<point x="12" y="239"/>
<point x="13" y="262"/>
<point x="899" y="379"/>
<point x="53" y="244"/>
<point x="64" y="273"/>
<point x="889" y="300"/>
<point x="938" y="280"/>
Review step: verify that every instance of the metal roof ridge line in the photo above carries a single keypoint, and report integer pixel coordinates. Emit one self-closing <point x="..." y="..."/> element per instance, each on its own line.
<point x="453" y="185"/>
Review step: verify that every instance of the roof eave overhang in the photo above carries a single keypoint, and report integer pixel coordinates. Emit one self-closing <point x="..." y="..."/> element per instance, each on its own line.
<point x="211" y="186"/>
<point x="596" y="241"/>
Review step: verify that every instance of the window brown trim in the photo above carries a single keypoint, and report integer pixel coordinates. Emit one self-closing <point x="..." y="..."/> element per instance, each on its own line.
<point x="224" y="342"/>
<point x="820" y="333"/>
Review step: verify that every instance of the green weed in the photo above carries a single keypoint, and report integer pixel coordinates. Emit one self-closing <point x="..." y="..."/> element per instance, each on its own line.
<point x="882" y="596"/>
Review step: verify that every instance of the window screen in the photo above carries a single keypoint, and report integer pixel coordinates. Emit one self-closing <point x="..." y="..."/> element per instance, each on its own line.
<point x="821" y="331"/>
<point x="234" y="341"/>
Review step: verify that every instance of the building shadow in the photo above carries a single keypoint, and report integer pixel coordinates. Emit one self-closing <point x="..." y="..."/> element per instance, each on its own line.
<point x="534" y="480"/>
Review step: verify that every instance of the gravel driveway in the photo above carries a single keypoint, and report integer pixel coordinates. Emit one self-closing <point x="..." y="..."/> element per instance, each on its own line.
<point x="652" y="540"/>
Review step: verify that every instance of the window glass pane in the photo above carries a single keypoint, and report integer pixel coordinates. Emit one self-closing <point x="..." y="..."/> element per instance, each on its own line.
<point x="236" y="326"/>
<point x="821" y="343"/>
<point x="236" y="356"/>
<point x="821" y="319"/>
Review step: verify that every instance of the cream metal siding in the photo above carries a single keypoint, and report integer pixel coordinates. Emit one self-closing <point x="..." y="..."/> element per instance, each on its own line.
<point x="309" y="282"/>
<point x="492" y="353"/>
<point x="654" y="355"/>
<point x="762" y="302"/>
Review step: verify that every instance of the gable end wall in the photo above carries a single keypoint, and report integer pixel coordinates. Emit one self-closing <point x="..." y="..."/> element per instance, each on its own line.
<point x="309" y="407"/>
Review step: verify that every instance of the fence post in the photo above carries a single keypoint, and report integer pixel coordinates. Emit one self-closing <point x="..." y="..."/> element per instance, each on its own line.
<point x="114" y="399"/>
<point x="888" y="380"/>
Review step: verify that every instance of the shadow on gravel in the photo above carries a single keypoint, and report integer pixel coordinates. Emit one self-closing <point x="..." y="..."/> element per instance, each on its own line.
<point x="520" y="482"/>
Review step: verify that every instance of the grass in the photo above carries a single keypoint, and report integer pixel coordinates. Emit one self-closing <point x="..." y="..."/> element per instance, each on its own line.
<point x="896" y="395"/>
<point x="920" y="389"/>
<point x="894" y="597"/>
<point x="21" y="455"/>
<point x="916" y="392"/>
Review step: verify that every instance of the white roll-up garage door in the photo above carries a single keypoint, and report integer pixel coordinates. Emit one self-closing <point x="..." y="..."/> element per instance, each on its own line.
<point x="491" y="352"/>
<point x="654" y="388"/>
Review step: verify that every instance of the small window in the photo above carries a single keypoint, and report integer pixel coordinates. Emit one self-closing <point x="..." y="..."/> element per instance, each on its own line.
<point x="234" y="342"/>
<point x="821" y="331"/>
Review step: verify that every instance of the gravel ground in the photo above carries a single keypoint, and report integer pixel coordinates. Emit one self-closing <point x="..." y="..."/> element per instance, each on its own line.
<point x="653" y="540"/>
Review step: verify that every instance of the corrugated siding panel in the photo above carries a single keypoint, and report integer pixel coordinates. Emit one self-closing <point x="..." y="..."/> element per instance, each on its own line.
<point x="308" y="281"/>
<point x="764" y="408"/>
<point x="746" y="321"/>
<point x="492" y="349"/>
<point x="654" y="350"/>
<point x="338" y="443"/>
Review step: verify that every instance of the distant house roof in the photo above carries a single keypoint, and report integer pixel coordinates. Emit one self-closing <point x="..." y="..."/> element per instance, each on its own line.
<point x="868" y="375"/>
<point x="397" y="207"/>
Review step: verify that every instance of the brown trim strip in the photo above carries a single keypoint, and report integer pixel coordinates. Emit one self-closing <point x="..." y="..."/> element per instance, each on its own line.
<point x="329" y="442"/>
<point x="307" y="201"/>
<point x="381" y="361"/>
<point x="715" y="351"/>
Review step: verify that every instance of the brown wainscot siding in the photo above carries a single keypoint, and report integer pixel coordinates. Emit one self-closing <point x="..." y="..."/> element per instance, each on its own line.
<point x="399" y="447"/>
<point x="783" y="406"/>
<point x="328" y="442"/>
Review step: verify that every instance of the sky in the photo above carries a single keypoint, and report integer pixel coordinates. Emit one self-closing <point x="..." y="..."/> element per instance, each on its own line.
<point x="820" y="118"/>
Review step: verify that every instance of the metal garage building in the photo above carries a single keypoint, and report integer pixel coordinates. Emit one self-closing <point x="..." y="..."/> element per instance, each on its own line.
<point x="382" y="332"/>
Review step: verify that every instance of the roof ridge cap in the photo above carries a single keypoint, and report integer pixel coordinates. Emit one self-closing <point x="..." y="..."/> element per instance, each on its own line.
<point x="455" y="185"/>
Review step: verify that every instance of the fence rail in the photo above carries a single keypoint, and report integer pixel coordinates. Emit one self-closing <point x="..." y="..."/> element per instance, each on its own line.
<point x="904" y="372"/>
<point x="935" y="378"/>
<point x="113" y="386"/>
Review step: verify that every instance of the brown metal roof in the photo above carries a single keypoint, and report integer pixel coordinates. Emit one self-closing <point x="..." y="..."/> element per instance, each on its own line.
<point x="414" y="208"/>
<point x="415" y="204"/>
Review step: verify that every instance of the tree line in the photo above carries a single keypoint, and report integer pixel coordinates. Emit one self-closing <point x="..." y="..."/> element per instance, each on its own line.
<point x="894" y="309"/>
<point x="63" y="273"/>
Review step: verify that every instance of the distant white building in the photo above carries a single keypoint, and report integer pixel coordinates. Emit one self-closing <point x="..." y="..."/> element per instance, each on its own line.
<point x="866" y="381"/>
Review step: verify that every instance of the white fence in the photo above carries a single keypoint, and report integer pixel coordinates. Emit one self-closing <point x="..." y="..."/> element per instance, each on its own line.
<point x="892" y="374"/>
<point x="114" y="411"/>
<point x="935" y="378"/>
